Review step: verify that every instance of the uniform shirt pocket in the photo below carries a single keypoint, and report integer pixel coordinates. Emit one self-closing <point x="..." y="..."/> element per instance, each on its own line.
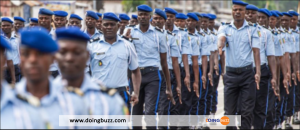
<point x="122" y="60"/>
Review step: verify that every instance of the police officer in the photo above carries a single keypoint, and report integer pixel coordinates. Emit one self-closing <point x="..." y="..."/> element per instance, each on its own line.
<point x="99" y="22"/>
<point x="133" y="20"/>
<point x="73" y="52"/>
<point x="123" y="23"/>
<point x="180" y="21"/>
<point x="33" y="22"/>
<point x="60" y="19"/>
<point x="13" y="72"/>
<point x="75" y="21"/>
<point x="239" y="78"/>
<point x="198" y="26"/>
<point x="19" y="23"/>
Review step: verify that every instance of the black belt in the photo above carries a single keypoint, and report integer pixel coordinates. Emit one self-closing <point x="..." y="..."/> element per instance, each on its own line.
<point x="145" y="70"/>
<point x="240" y="69"/>
<point x="261" y="66"/>
<point x="121" y="89"/>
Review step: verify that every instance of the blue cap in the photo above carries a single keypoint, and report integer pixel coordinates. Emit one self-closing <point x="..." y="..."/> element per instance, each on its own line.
<point x="75" y="16"/>
<point x="110" y="16"/>
<point x="7" y="19"/>
<point x="198" y="14"/>
<point x="45" y="11"/>
<point x="265" y="11"/>
<point x="273" y="13"/>
<point x="99" y="15"/>
<point x="19" y="18"/>
<point x="294" y="13"/>
<point x="160" y="13"/>
<point x="170" y="10"/>
<point x="73" y="33"/>
<point x="192" y="16"/>
<point x="4" y="43"/>
<point x="287" y="14"/>
<point x="134" y="16"/>
<point x="151" y="19"/>
<point x="145" y="8"/>
<point x="212" y="16"/>
<point x="239" y="2"/>
<point x="60" y="13"/>
<point x="34" y="20"/>
<point x="181" y="16"/>
<point x="205" y="16"/>
<point x="92" y="14"/>
<point x="124" y="17"/>
<point x="251" y="7"/>
<point x="278" y="12"/>
<point x="38" y="38"/>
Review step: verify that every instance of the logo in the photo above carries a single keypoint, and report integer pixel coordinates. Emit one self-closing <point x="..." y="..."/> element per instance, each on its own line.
<point x="259" y="34"/>
<point x="224" y="120"/>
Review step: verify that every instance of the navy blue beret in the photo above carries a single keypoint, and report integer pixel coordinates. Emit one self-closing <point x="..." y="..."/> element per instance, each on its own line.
<point x="75" y="16"/>
<point x="294" y="13"/>
<point x="160" y="13"/>
<point x="72" y="33"/>
<point x="251" y="7"/>
<point x="110" y="16"/>
<point x="170" y="10"/>
<point x="278" y="12"/>
<point x="273" y="13"/>
<point x="99" y="15"/>
<point x="45" y="11"/>
<point x="60" y="13"/>
<point x="192" y="16"/>
<point x="6" y="19"/>
<point x="38" y="38"/>
<point x="92" y="14"/>
<point x="198" y="14"/>
<point x="124" y="17"/>
<point x="212" y="16"/>
<point x="19" y="18"/>
<point x="239" y="2"/>
<point x="134" y="16"/>
<point x="4" y="43"/>
<point x="181" y="16"/>
<point x="205" y="16"/>
<point x="287" y="14"/>
<point x="145" y="8"/>
<point x="265" y="11"/>
<point x="34" y="20"/>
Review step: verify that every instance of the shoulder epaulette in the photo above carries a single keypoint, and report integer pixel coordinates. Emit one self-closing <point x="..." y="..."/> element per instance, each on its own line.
<point x="31" y="100"/>
<point x="100" y="31"/>
<point x="213" y="33"/>
<point x="169" y="32"/>
<point x="225" y="23"/>
<point x="193" y="34"/>
<point x="126" y="38"/>
<point x="95" y="39"/>
<point x="77" y="91"/>
<point x="274" y="32"/>
<point x="201" y="34"/>
<point x="252" y="24"/>
<point x="158" y="29"/>
<point x="182" y="29"/>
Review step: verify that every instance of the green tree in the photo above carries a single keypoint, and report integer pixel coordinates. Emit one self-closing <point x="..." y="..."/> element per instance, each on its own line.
<point x="131" y="4"/>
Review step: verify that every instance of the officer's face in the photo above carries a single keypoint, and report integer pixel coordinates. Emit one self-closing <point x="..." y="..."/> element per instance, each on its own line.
<point x="279" y="21"/>
<point x="32" y="24"/>
<point x="204" y="23"/>
<point x="170" y="19"/>
<point x="238" y="12"/>
<point x="181" y="23"/>
<point x="18" y="25"/>
<point x="251" y="16"/>
<point x="74" y="22"/>
<point x="99" y="23"/>
<point x="143" y="17"/>
<point x="199" y="22"/>
<point x="6" y="27"/>
<point x="191" y="23"/>
<point x="133" y="22"/>
<point x="158" y="21"/>
<point x="45" y="20"/>
<point x="90" y="22"/>
<point x="294" y="21"/>
<point x="262" y="19"/>
<point x="110" y="29"/>
<point x="272" y="21"/>
<point x="123" y="24"/>
<point x="285" y="21"/>
<point x="60" y="21"/>
<point x="211" y="24"/>
<point x="35" y="64"/>
<point x="71" y="58"/>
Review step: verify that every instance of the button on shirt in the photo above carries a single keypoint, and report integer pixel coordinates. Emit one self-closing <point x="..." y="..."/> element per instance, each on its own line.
<point x="95" y="35"/>
<point x="194" y="42"/>
<point x="240" y="43"/>
<point x="14" y="53"/>
<point x="204" y="48"/>
<point x="149" y="46"/>
<point x="288" y="41"/>
<point x="109" y="62"/>
<point x="277" y="43"/>
<point x="182" y="39"/>
<point x="267" y="44"/>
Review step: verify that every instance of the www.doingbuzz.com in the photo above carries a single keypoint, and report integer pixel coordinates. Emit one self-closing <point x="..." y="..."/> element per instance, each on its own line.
<point x="101" y="120"/>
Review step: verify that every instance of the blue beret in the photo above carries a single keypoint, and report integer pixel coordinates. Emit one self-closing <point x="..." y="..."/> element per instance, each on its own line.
<point x="134" y="16"/>
<point x="181" y="16"/>
<point x="19" y="18"/>
<point x="212" y="16"/>
<point x="278" y="12"/>
<point x="45" y="11"/>
<point x="145" y="8"/>
<point x="198" y="14"/>
<point x="75" y="16"/>
<point x="287" y="14"/>
<point x="34" y="20"/>
<point x="92" y="14"/>
<point x="206" y="16"/>
<point x="170" y="10"/>
<point x="151" y="20"/>
<point x="251" y="7"/>
<point x="7" y="19"/>
<point x="73" y="33"/>
<point x="124" y="17"/>
<point x="110" y="16"/>
<point x="99" y="14"/>
<point x="239" y="2"/>
<point x="4" y="43"/>
<point x="265" y="11"/>
<point x="60" y="13"/>
<point x="294" y="13"/>
<point x="160" y="13"/>
<point x="273" y="13"/>
<point x="38" y="38"/>
<point x="192" y="16"/>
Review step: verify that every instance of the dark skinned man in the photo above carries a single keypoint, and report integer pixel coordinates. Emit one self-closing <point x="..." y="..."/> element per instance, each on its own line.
<point x="60" y="19"/>
<point x="123" y="23"/>
<point x="133" y="20"/>
<point x="33" y="22"/>
<point x="99" y="22"/>
<point x="75" y="21"/>
<point x="19" y="23"/>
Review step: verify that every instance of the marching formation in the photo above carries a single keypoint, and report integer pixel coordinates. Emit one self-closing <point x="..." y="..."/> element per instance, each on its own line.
<point x="160" y="63"/>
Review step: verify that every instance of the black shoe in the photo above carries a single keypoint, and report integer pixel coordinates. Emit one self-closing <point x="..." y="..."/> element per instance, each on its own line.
<point x="288" y="127"/>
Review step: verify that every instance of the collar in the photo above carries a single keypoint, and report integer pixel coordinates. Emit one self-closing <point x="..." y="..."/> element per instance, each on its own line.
<point x="96" y="32"/>
<point x="244" y="25"/>
<point x="102" y="39"/>
<point x="151" y="28"/>
<point x="7" y="95"/>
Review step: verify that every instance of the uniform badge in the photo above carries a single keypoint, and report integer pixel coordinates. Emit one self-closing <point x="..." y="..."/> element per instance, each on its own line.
<point x="189" y="38"/>
<point x="283" y="40"/>
<point x="177" y="42"/>
<point x="34" y="101"/>
<point x="100" y="63"/>
<point x="259" y="34"/>
<point x="125" y="110"/>
<point x="198" y="42"/>
<point x="280" y="42"/>
<point x="227" y="45"/>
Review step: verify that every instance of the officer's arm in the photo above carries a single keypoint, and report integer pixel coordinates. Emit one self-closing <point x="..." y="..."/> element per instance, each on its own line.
<point x="165" y="69"/>
<point x="288" y="65"/>
<point x="221" y="43"/>
<point x="294" y="63"/>
<point x="284" y="70"/>
<point x="271" y="57"/>
<point x="175" y="53"/>
<point x="204" y="68"/>
<point x="222" y="60"/>
<point x="11" y="68"/>
<point x="186" y="49"/>
<point x="298" y="60"/>
<point x="216" y="59"/>
<point x="136" y="80"/>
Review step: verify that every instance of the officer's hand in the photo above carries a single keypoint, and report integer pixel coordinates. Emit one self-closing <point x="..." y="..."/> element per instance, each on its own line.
<point x="216" y="67"/>
<point x="298" y="75"/>
<point x="286" y="84"/>
<point x="294" y="78"/>
<point x="178" y="89"/>
<point x="220" y="51"/>
<point x="196" y="88"/>
<point x="204" y="81"/>
<point x="276" y="92"/>
<point x="257" y="80"/>
<point x="289" y="79"/>
<point x="170" y="96"/>
<point x="210" y="77"/>
<point x="127" y="34"/>
<point x="187" y="83"/>
<point x="134" y="99"/>
<point x="274" y="87"/>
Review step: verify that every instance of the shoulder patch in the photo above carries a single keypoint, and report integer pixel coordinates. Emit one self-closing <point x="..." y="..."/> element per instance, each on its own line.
<point x="193" y="34"/>
<point x="252" y="24"/>
<point x="126" y="38"/>
<point x="77" y="91"/>
<point x="182" y="29"/>
<point x="158" y="29"/>
<point x="95" y="39"/>
<point x="34" y="101"/>
<point x="169" y="32"/>
<point x="225" y="23"/>
<point x="201" y="34"/>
